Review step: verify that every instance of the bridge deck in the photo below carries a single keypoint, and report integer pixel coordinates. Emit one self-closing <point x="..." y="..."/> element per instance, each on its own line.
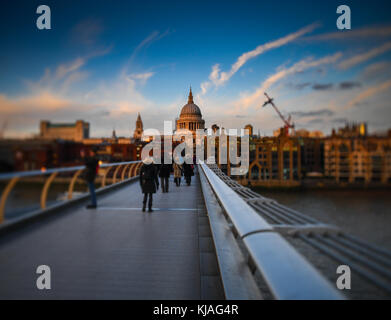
<point x="117" y="251"/>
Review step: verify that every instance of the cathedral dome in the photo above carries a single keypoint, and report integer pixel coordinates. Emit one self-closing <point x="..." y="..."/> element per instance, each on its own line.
<point x="190" y="117"/>
<point x="190" y="109"/>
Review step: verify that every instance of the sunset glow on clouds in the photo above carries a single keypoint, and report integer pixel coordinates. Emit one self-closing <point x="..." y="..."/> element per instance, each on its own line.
<point x="104" y="65"/>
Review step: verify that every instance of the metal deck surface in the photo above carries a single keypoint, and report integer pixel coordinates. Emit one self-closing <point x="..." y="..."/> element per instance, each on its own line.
<point x="116" y="251"/>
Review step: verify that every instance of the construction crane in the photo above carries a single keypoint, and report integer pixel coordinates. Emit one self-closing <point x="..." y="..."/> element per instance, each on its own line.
<point x="288" y="124"/>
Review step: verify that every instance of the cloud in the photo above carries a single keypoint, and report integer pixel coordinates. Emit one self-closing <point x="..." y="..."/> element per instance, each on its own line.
<point x="326" y="86"/>
<point x="305" y="114"/>
<point x="145" y="43"/>
<point x="218" y="78"/>
<point x="360" y="58"/>
<point x="254" y="98"/>
<point x="298" y="86"/>
<point x="367" y="32"/>
<point x="376" y="69"/>
<point x="43" y="102"/>
<point x="142" y="77"/>
<point x="49" y="98"/>
<point x="368" y="93"/>
<point x="347" y="85"/>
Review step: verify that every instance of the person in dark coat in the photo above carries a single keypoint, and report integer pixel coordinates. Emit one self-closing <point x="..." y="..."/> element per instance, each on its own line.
<point x="92" y="165"/>
<point x="149" y="183"/>
<point x="164" y="174"/>
<point x="188" y="172"/>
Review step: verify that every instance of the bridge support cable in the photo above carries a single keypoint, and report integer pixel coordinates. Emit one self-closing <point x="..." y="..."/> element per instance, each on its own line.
<point x="368" y="260"/>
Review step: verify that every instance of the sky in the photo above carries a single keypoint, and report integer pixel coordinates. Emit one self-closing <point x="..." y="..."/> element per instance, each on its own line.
<point x="105" y="61"/>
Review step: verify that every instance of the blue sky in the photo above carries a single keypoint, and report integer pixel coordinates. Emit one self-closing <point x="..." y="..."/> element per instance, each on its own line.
<point x="105" y="61"/>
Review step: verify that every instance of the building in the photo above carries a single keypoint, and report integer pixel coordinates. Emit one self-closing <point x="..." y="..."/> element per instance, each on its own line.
<point x="138" y="132"/>
<point x="35" y="154"/>
<point x="77" y="131"/>
<point x="190" y="117"/>
<point x="250" y="129"/>
<point x="312" y="156"/>
<point x="352" y="130"/>
<point x="303" y="133"/>
<point x="274" y="161"/>
<point x="359" y="158"/>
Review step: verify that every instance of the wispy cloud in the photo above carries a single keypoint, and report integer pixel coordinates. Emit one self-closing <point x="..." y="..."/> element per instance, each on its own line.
<point x="254" y="98"/>
<point x="322" y="86"/>
<point x="305" y="114"/>
<point x="142" y="77"/>
<point x="347" y="85"/>
<point x="64" y="75"/>
<point x="367" y="32"/>
<point x="218" y="77"/>
<point x="51" y="97"/>
<point x="145" y="43"/>
<point x="368" y="93"/>
<point x="376" y="69"/>
<point x="360" y="58"/>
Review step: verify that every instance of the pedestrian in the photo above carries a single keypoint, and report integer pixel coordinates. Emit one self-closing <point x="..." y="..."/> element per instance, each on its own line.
<point x="164" y="174"/>
<point x="188" y="172"/>
<point x="149" y="183"/>
<point x="92" y="166"/>
<point x="177" y="174"/>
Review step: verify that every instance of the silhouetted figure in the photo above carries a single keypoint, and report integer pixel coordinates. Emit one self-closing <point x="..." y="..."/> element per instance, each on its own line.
<point x="92" y="166"/>
<point x="164" y="174"/>
<point x="188" y="172"/>
<point x="149" y="183"/>
<point x="177" y="174"/>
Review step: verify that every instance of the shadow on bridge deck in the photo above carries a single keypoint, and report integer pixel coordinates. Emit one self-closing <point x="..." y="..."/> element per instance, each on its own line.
<point x="117" y="251"/>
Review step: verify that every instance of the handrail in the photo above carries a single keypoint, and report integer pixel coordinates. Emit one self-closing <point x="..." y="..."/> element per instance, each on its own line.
<point x="14" y="177"/>
<point x="32" y="173"/>
<point x="288" y="274"/>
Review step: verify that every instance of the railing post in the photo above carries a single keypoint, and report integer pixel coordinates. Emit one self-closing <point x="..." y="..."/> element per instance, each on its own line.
<point x="45" y="189"/>
<point x="138" y="168"/>
<point x="5" y="195"/>
<point x="124" y="171"/>
<point x="132" y="168"/>
<point x="116" y="173"/>
<point x="72" y="183"/>
<point x="104" y="176"/>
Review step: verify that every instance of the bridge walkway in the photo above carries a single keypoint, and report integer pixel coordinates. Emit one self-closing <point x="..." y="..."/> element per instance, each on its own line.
<point x="117" y="251"/>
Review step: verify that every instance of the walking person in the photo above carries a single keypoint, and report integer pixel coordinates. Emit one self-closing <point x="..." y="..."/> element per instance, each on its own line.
<point x="164" y="174"/>
<point x="92" y="166"/>
<point x="177" y="174"/>
<point x="188" y="172"/>
<point x="149" y="183"/>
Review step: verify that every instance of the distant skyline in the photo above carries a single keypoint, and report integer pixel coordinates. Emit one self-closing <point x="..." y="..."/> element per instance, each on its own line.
<point x="103" y="62"/>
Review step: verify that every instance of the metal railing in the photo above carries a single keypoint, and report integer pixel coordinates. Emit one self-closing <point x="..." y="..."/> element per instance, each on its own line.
<point x="120" y="171"/>
<point x="287" y="273"/>
<point x="369" y="261"/>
